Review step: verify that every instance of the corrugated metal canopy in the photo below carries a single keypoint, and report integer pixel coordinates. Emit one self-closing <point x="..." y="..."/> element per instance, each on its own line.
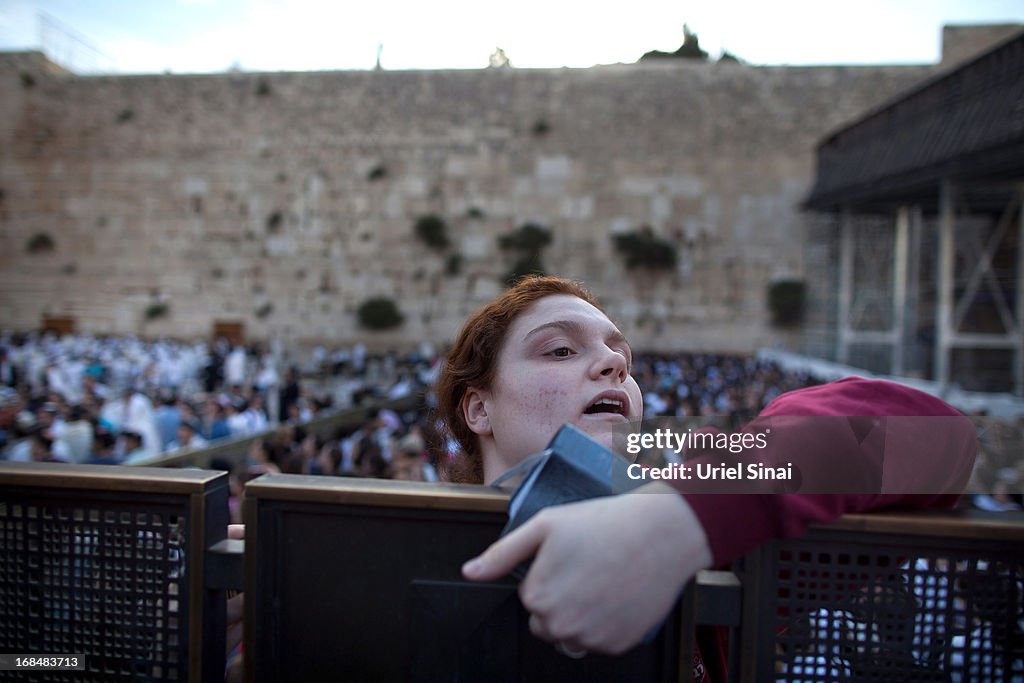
<point x="966" y="125"/>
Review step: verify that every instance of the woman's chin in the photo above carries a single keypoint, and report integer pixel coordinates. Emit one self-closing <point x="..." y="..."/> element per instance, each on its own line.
<point x="601" y="431"/>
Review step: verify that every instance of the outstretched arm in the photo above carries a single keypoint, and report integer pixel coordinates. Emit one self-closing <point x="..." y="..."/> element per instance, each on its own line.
<point x="923" y="451"/>
<point x="606" y="571"/>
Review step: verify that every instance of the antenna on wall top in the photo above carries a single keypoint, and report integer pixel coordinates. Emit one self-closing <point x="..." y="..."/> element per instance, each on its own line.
<point x="70" y="49"/>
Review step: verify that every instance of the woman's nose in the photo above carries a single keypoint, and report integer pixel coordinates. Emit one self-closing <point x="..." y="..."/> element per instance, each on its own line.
<point x="611" y="364"/>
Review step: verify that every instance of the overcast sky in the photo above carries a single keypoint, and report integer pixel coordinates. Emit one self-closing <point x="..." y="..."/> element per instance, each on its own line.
<point x="184" y="36"/>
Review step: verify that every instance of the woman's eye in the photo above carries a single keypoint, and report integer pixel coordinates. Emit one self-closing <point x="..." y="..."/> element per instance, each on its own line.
<point x="562" y="352"/>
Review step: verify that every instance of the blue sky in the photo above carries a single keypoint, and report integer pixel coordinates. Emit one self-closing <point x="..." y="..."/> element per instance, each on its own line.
<point x="185" y="36"/>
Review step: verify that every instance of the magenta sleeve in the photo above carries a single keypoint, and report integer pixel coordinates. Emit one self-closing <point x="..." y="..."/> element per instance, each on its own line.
<point x="737" y="523"/>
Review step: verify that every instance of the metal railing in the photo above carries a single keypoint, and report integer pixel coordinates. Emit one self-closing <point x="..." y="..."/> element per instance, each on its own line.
<point x="234" y="450"/>
<point x="351" y="579"/>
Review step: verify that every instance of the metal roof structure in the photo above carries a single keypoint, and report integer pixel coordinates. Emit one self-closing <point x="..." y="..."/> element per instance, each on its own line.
<point x="966" y="125"/>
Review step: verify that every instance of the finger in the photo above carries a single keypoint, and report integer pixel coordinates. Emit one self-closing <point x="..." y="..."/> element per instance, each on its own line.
<point x="537" y="628"/>
<point x="236" y="531"/>
<point x="503" y="556"/>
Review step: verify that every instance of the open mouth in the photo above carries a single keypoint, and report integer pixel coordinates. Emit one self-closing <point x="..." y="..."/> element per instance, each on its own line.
<point x="604" y="405"/>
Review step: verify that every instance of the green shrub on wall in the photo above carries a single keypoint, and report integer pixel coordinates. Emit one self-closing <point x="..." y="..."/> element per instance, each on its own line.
<point x="453" y="264"/>
<point x="157" y="309"/>
<point x="786" y="302"/>
<point x="527" y="264"/>
<point x="433" y="231"/>
<point x="528" y="240"/>
<point x="540" y="128"/>
<point x="39" y="242"/>
<point x="379" y="313"/>
<point x="529" y="237"/>
<point x="642" y="249"/>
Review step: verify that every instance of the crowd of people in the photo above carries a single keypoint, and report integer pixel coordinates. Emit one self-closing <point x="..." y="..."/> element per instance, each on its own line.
<point x="122" y="400"/>
<point x="712" y="385"/>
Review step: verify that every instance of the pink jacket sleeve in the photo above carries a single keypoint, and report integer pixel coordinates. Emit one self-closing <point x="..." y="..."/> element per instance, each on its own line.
<point x="737" y="523"/>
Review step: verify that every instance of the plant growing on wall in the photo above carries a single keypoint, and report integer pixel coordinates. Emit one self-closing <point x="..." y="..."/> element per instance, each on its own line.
<point x="527" y="264"/>
<point x="157" y="309"/>
<point x="530" y="237"/>
<point x="528" y="241"/>
<point x="39" y="243"/>
<point x="378" y="172"/>
<point x="274" y="221"/>
<point x="432" y="230"/>
<point x="453" y="264"/>
<point x="642" y="249"/>
<point x="379" y="313"/>
<point x="786" y="302"/>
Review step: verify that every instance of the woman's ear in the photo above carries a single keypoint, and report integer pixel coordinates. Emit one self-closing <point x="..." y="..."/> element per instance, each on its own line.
<point x="474" y="409"/>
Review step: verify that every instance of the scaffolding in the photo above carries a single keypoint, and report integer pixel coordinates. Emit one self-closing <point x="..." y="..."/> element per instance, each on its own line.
<point x="916" y="259"/>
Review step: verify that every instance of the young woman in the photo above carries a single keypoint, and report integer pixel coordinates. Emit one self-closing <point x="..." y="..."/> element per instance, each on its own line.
<point x="606" y="571"/>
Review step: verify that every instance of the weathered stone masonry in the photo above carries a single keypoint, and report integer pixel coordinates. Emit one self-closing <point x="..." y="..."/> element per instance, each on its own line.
<point x="249" y="197"/>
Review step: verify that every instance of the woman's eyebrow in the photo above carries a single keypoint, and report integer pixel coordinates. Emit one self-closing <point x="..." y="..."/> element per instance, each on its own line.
<point x="616" y="336"/>
<point x="574" y="328"/>
<point x="570" y="326"/>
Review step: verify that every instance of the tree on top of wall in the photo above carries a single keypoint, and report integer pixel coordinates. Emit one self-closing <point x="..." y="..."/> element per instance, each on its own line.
<point x="690" y="49"/>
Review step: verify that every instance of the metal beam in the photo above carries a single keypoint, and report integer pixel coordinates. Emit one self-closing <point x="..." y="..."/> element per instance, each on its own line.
<point x="912" y="304"/>
<point x="947" y="253"/>
<point x="1018" y="356"/>
<point x="885" y="337"/>
<point x="845" y="284"/>
<point x="983" y="341"/>
<point x="899" y="288"/>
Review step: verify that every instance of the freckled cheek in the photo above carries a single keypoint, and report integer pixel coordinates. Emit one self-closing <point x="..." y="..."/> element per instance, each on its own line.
<point x="546" y="401"/>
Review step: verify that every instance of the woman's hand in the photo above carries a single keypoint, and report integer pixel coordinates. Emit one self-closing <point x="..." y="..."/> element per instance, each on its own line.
<point x="605" y="571"/>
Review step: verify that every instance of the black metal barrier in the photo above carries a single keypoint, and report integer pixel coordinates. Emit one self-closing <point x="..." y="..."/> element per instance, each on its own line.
<point x="360" y="580"/>
<point x="352" y="579"/>
<point x="107" y="563"/>
<point x="888" y="597"/>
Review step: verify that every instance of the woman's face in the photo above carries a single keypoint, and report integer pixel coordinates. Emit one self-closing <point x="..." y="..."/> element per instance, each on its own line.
<point x="562" y="361"/>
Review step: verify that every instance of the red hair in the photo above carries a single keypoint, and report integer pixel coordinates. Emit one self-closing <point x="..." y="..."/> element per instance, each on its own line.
<point x="473" y="359"/>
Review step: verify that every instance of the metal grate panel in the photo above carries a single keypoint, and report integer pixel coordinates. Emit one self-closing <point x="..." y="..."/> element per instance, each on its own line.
<point x="892" y="613"/>
<point x="100" y="580"/>
<point x="108" y="563"/>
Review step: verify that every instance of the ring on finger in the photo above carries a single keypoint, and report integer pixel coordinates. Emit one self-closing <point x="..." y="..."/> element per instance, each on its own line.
<point x="569" y="652"/>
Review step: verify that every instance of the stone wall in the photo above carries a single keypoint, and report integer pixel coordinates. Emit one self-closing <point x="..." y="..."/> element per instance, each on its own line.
<point x="283" y="200"/>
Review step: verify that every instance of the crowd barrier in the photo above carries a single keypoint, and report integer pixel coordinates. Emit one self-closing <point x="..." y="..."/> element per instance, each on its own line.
<point x="351" y="579"/>
<point x="234" y="450"/>
<point x="107" y="563"/>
